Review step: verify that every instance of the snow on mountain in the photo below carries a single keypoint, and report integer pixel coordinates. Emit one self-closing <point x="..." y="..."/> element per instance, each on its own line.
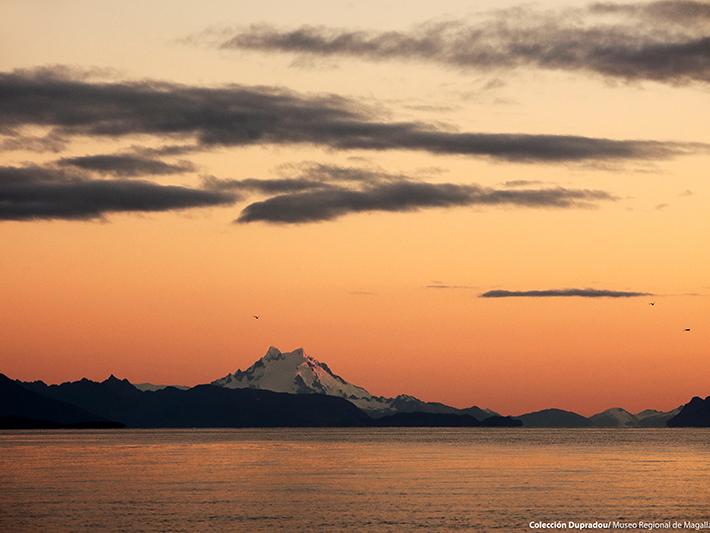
<point x="297" y="373"/>
<point x="153" y="387"/>
<point x="654" y="418"/>
<point x="647" y="413"/>
<point x="615" y="417"/>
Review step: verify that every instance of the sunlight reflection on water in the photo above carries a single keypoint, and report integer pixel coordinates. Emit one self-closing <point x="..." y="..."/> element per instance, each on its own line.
<point x="337" y="479"/>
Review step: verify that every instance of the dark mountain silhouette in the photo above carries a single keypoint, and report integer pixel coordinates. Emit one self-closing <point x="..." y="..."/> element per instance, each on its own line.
<point x="696" y="413"/>
<point x="112" y="398"/>
<point x="611" y="418"/>
<point x="203" y="406"/>
<point x="423" y="419"/>
<point x="419" y="419"/>
<point x="23" y="408"/>
<point x="15" y="422"/>
<point x="497" y="421"/>
<point x="409" y="404"/>
<point x="554" y="418"/>
<point x="478" y="412"/>
<point x="116" y="402"/>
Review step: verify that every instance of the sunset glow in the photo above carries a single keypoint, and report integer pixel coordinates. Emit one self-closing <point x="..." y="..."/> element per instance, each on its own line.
<point x="412" y="202"/>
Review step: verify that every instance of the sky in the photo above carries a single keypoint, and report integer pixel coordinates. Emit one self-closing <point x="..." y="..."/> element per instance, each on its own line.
<point x="472" y="204"/>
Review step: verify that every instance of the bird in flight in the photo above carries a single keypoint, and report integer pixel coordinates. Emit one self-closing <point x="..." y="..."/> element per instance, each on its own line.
<point x="256" y="316"/>
<point x="686" y="329"/>
<point x="652" y="303"/>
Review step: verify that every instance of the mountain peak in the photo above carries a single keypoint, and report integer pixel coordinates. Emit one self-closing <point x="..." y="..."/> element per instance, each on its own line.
<point x="614" y="417"/>
<point x="295" y="372"/>
<point x="113" y="380"/>
<point x="116" y="383"/>
<point x="274" y="354"/>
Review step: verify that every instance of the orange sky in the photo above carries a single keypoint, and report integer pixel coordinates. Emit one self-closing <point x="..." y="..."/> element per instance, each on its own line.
<point x="169" y="297"/>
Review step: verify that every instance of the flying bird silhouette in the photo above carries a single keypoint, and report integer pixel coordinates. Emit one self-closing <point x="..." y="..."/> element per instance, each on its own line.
<point x="256" y="316"/>
<point x="652" y="303"/>
<point x="686" y="329"/>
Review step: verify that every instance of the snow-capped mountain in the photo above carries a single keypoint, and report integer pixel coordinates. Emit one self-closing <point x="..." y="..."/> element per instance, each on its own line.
<point x="297" y="373"/>
<point x="654" y="418"/>
<point x="615" y="417"/>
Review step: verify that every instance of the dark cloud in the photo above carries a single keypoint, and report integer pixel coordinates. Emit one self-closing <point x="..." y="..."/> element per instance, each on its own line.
<point x="126" y="165"/>
<point x="556" y="293"/>
<point x="166" y="150"/>
<point x="406" y="195"/>
<point x="318" y="192"/>
<point x="666" y="41"/>
<point x="236" y="115"/>
<point x="30" y="193"/>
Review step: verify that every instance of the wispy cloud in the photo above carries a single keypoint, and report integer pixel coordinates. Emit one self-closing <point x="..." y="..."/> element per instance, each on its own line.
<point x="13" y="140"/>
<point x="666" y="41"/>
<point x="237" y="116"/>
<point x="513" y="184"/>
<point x="444" y="286"/>
<point x="563" y="293"/>
<point x="265" y="185"/>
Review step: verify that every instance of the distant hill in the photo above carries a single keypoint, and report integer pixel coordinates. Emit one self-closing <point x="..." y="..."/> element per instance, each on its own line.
<point x="554" y="418"/>
<point x="616" y="417"/>
<point x="696" y="413"/>
<point x="427" y="420"/>
<point x="497" y="421"/>
<point x="650" y="418"/>
<point x="611" y="418"/>
<point x="405" y="403"/>
<point x="620" y="418"/>
<point x="22" y="408"/>
<point x="419" y="419"/>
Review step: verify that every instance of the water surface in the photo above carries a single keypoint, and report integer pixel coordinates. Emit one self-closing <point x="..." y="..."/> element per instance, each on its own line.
<point x="349" y="479"/>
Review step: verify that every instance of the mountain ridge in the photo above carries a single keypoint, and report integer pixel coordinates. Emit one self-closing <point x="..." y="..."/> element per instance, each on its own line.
<point x="115" y="403"/>
<point x="292" y="375"/>
<point x="21" y="407"/>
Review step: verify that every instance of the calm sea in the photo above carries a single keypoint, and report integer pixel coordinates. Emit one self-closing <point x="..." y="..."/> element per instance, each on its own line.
<point x="349" y="479"/>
